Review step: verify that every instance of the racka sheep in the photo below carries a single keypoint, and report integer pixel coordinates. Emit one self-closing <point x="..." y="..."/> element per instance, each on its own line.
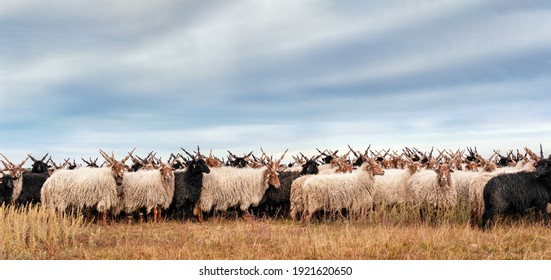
<point x="227" y="187"/>
<point x="277" y="200"/>
<point x="149" y="189"/>
<point x="514" y="193"/>
<point x="33" y="182"/>
<point x="16" y="171"/>
<point x="6" y="188"/>
<point x="432" y="189"/>
<point x="100" y="188"/>
<point x="187" y="186"/>
<point x="334" y="192"/>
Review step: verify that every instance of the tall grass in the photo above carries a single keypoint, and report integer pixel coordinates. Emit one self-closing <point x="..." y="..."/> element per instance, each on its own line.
<point x="32" y="232"/>
<point x="386" y="233"/>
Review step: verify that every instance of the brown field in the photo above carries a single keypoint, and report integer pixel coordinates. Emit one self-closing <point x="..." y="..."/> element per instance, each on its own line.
<point x="33" y="233"/>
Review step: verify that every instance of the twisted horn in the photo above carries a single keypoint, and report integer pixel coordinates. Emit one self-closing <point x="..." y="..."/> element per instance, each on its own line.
<point x="11" y="164"/>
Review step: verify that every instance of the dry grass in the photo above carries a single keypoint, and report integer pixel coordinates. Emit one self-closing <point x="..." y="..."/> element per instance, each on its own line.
<point x="35" y="233"/>
<point x="31" y="233"/>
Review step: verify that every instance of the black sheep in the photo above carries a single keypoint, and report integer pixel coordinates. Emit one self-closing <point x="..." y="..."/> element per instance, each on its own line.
<point x="33" y="181"/>
<point x="187" y="188"/>
<point x="515" y="193"/>
<point x="32" y="185"/>
<point x="6" y="189"/>
<point x="277" y="200"/>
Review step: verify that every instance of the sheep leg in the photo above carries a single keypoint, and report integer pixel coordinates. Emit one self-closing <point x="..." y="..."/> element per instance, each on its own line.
<point x="247" y="215"/>
<point x="104" y="218"/>
<point x="306" y="217"/>
<point x="155" y="214"/>
<point x="198" y="212"/>
<point x="487" y="218"/>
<point x="474" y="218"/>
<point x="543" y="210"/>
<point x="160" y="212"/>
<point x="293" y="214"/>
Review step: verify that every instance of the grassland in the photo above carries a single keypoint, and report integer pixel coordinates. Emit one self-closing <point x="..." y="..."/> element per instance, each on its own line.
<point x="33" y="233"/>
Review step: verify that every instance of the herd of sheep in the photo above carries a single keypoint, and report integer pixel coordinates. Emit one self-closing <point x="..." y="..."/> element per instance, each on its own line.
<point x="353" y="184"/>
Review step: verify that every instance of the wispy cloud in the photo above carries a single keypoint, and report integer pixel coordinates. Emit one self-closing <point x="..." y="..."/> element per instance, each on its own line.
<point x="78" y="76"/>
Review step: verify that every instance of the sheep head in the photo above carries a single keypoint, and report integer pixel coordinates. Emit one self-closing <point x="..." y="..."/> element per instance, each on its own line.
<point x="444" y="176"/>
<point x="117" y="167"/>
<point x="271" y="174"/>
<point x="213" y="162"/>
<point x="239" y="162"/>
<point x="543" y="168"/>
<point x="198" y="165"/>
<point x="91" y="163"/>
<point x="372" y="166"/>
<point x="166" y="171"/>
<point x="15" y="170"/>
<point x="413" y="166"/>
<point x="39" y="166"/>
<point x="310" y="166"/>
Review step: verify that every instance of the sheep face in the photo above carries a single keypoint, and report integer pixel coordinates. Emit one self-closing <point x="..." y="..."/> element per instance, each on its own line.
<point x="272" y="175"/>
<point x="117" y="170"/>
<point x="199" y="166"/>
<point x="543" y="168"/>
<point x="374" y="168"/>
<point x="413" y="167"/>
<point x="6" y="187"/>
<point x="212" y="162"/>
<point x="166" y="172"/>
<point x="6" y="181"/>
<point x="117" y="167"/>
<point x="310" y="167"/>
<point x="239" y="162"/>
<point x="443" y="176"/>
<point x="39" y="166"/>
<point x="15" y="170"/>
<point x="472" y="166"/>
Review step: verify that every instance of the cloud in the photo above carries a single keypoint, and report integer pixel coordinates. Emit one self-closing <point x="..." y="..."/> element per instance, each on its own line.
<point x="281" y="74"/>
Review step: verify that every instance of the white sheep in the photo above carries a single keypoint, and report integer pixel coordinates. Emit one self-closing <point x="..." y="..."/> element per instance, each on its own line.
<point x="86" y="187"/>
<point x="433" y="189"/>
<point x="227" y="187"/>
<point x="462" y="179"/>
<point x="391" y="189"/>
<point x="334" y="192"/>
<point x="149" y="189"/>
<point x="296" y="200"/>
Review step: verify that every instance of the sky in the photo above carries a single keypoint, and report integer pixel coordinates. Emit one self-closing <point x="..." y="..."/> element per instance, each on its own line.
<point x="80" y="76"/>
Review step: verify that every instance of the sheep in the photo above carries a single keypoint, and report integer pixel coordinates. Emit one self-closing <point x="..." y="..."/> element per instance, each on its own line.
<point x="278" y="199"/>
<point x="390" y="189"/>
<point x="91" y="163"/>
<point x="6" y="188"/>
<point x="16" y="172"/>
<point x="432" y="189"/>
<point x="86" y="187"/>
<point x="239" y="162"/>
<point x="149" y="189"/>
<point x="227" y="187"/>
<point x="187" y="186"/>
<point x="515" y="193"/>
<point x="477" y="184"/>
<point x="462" y="182"/>
<point x="296" y="197"/>
<point x="33" y="182"/>
<point x="334" y="192"/>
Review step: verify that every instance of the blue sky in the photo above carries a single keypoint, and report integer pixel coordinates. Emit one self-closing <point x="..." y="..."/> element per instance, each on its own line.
<point x="237" y="75"/>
